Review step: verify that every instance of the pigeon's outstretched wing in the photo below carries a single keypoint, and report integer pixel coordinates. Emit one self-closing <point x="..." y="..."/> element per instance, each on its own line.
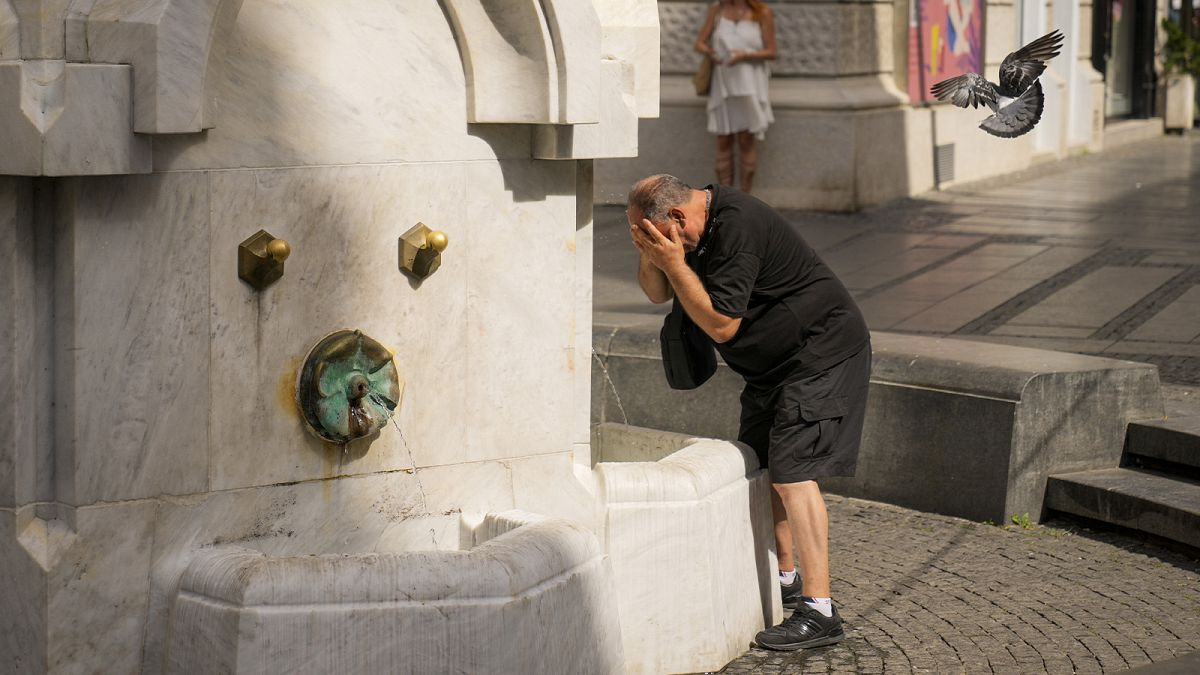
<point x="1019" y="116"/>
<point x="966" y="91"/>
<point x="1022" y="67"/>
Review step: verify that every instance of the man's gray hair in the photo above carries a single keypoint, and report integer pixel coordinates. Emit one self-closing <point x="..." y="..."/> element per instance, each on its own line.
<point x="656" y="195"/>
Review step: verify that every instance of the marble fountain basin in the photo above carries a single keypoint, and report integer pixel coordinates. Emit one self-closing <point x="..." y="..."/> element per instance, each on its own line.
<point x="675" y="573"/>
<point x="532" y="595"/>
<point x="687" y="525"/>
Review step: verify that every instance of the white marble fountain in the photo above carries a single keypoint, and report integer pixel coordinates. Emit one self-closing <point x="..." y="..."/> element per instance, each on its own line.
<point x="164" y="504"/>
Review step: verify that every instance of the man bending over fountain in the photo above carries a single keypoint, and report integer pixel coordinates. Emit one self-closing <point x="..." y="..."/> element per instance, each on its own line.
<point x="787" y="325"/>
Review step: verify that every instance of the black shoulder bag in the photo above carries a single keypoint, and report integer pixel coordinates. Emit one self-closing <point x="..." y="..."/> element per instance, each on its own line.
<point x="688" y="355"/>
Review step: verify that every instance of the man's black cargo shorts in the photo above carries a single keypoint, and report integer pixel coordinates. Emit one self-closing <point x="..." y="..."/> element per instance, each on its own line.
<point x="809" y="427"/>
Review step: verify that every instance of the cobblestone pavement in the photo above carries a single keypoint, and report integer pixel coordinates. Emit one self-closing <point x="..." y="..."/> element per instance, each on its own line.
<point x="923" y="593"/>
<point x="1096" y="255"/>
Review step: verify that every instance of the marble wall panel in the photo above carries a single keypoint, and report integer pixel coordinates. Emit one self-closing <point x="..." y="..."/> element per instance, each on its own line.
<point x="133" y="328"/>
<point x="17" y="398"/>
<point x="176" y="49"/>
<point x="93" y="134"/>
<point x="64" y="119"/>
<point x="19" y="137"/>
<point x="520" y="309"/>
<point x="630" y="34"/>
<point x="555" y="486"/>
<point x="508" y="55"/>
<point x="575" y="29"/>
<point x="10" y="33"/>
<point x="41" y="27"/>
<point x="343" y="224"/>
<point x="615" y="134"/>
<point x="584" y="231"/>
<point x="316" y="82"/>
<point x="97" y="591"/>
<point x="22" y="602"/>
<point x="477" y="487"/>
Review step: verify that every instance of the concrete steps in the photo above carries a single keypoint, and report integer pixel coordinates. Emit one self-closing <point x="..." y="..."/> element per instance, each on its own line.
<point x="1159" y="504"/>
<point x="1157" y="490"/>
<point x="1171" y="445"/>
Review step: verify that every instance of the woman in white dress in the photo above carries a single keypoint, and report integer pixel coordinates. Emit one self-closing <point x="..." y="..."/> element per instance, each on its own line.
<point x="740" y="37"/>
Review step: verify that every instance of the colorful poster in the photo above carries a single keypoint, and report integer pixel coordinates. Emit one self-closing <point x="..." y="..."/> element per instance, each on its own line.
<point x="945" y="39"/>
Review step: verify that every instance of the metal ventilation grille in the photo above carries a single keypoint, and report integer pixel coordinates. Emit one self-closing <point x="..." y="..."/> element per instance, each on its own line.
<point x="943" y="163"/>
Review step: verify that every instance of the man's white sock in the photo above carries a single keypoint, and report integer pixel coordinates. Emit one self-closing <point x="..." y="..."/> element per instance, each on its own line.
<point x="822" y="605"/>
<point x="787" y="578"/>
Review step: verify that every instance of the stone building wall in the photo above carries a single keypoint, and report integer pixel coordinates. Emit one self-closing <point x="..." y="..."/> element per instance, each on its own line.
<point x="846" y="135"/>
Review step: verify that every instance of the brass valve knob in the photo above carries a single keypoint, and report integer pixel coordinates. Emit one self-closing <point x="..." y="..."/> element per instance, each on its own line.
<point x="279" y="250"/>
<point x="437" y="240"/>
<point x="260" y="259"/>
<point x="421" y="250"/>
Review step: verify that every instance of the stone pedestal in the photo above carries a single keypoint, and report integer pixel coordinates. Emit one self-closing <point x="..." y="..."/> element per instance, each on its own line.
<point x="1181" y="101"/>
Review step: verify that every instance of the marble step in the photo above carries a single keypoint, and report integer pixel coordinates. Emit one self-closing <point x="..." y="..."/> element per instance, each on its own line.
<point x="1156" y="503"/>
<point x="1175" y="440"/>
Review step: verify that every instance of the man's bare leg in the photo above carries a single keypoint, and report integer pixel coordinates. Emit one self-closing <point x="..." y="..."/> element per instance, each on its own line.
<point x="815" y="623"/>
<point x="810" y="533"/>
<point x="783" y="534"/>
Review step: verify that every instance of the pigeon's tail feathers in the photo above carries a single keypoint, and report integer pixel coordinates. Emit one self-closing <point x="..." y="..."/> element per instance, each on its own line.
<point x="966" y="90"/>
<point x="1018" y="117"/>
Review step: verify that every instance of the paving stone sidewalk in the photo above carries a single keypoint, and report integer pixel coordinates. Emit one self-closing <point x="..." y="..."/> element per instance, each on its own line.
<point x="923" y="593"/>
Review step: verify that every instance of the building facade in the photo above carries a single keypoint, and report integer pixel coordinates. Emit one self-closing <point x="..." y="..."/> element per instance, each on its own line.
<point x="855" y="125"/>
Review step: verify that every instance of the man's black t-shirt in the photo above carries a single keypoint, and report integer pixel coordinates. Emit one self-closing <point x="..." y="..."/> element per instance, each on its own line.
<point x="797" y="317"/>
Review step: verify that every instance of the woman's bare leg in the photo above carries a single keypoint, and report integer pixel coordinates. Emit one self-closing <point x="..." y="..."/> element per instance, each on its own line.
<point x="748" y="154"/>
<point x="725" y="159"/>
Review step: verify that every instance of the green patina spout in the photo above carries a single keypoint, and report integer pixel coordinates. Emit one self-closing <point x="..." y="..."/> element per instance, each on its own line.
<point x="348" y="387"/>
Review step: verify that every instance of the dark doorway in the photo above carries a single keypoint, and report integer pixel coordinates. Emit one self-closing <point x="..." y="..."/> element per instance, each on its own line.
<point x="1123" y="50"/>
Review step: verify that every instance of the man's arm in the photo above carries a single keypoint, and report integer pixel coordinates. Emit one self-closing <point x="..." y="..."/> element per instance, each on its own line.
<point x="665" y="254"/>
<point x="654" y="283"/>
<point x="698" y="305"/>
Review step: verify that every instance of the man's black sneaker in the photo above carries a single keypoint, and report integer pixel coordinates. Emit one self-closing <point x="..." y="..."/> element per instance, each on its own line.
<point x="805" y="628"/>
<point x="791" y="593"/>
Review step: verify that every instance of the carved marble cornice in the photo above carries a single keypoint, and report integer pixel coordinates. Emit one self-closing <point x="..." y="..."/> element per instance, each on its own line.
<point x="73" y="73"/>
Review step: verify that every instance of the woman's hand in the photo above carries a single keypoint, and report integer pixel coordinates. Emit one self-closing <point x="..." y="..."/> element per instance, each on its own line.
<point x="706" y="50"/>
<point x="738" y="57"/>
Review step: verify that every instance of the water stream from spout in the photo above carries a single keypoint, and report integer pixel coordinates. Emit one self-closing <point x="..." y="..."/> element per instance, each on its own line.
<point x="611" y="386"/>
<point x="412" y="461"/>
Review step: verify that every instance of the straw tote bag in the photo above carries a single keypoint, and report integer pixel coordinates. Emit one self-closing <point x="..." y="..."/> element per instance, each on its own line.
<point x="703" y="77"/>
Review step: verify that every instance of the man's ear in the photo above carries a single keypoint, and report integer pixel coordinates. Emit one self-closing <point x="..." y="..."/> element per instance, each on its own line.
<point x="678" y="216"/>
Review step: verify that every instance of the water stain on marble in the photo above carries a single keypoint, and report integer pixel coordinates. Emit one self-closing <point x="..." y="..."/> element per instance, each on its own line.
<point x="285" y="392"/>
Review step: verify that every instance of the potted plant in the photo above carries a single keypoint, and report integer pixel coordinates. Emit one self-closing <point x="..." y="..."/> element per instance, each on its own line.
<point x="1181" y="63"/>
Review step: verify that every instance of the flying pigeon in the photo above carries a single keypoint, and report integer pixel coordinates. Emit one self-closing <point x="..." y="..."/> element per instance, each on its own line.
<point x="1016" y="102"/>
